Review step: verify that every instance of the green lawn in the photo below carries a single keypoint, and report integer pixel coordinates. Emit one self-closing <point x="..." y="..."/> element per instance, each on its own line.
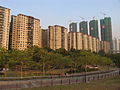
<point x="106" y="84"/>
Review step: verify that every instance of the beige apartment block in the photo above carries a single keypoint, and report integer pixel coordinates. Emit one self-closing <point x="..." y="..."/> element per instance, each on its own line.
<point x="98" y="45"/>
<point x="105" y="46"/>
<point x="64" y="38"/>
<point x="80" y="41"/>
<point x="75" y="40"/>
<point x="116" y="45"/>
<point x="85" y="42"/>
<point x="4" y="27"/>
<point x="72" y="40"/>
<point x="94" y="44"/>
<point x="52" y="37"/>
<point x="25" y="31"/>
<point x="57" y="37"/>
<point x="44" y="37"/>
<point x="90" y="47"/>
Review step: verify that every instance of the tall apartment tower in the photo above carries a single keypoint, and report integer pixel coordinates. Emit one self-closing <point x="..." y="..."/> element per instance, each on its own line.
<point x="105" y="46"/>
<point x="4" y="27"/>
<point x="85" y="42"/>
<point x="75" y="40"/>
<point x="58" y="37"/>
<point x="106" y="30"/>
<point x="80" y="41"/>
<point x="25" y="32"/>
<point x="93" y="27"/>
<point x="44" y="37"/>
<point x="83" y="27"/>
<point x="73" y="27"/>
<point x="116" y="45"/>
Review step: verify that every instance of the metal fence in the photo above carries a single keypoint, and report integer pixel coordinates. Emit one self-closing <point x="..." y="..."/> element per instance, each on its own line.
<point x="57" y="80"/>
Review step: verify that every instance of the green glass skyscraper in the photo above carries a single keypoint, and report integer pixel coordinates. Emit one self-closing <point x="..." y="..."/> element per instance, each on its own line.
<point x="73" y="27"/>
<point x="83" y="27"/>
<point x="106" y="30"/>
<point x="93" y="27"/>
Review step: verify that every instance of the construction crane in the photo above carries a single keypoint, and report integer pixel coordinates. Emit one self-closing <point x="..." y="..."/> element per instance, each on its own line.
<point x="94" y="18"/>
<point x="104" y="14"/>
<point x="73" y="21"/>
<point x="82" y="18"/>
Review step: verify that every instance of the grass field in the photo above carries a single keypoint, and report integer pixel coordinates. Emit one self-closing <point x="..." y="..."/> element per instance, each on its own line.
<point x="106" y="84"/>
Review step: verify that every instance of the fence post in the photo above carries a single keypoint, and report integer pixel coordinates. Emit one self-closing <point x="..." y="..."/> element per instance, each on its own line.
<point x="51" y="82"/>
<point x="76" y="80"/>
<point x="61" y="81"/>
<point x="41" y="83"/>
<point x="29" y="84"/>
<point x="69" y="81"/>
<point x="16" y="86"/>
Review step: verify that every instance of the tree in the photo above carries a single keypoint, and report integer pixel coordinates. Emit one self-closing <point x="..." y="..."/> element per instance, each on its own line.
<point x="62" y="51"/>
<point x="3" y="58"/>
<point x="116" y="59"/>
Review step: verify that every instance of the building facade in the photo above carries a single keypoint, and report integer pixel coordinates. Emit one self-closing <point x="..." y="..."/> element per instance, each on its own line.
<point x="25" y="31"/>
<point x="58" y="37"/>
<point x="73" y="27"/>
<point x="44" y="37"/>
<point x="83" y="27"/>
<point x="90" y="43"/>
<point x="116" y="45"/>
<point x="106" y="30"/>
<point x="4" y="27"/>
<point x="85" y="42"/>
<point x="80" y="41"/>
<point x="105" y="46"/>
<point x="93" y="28"/>
<point x="75" y="40"/>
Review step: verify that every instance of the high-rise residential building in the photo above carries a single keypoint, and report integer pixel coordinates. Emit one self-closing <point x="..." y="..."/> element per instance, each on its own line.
<point x="116" y="45"/>
<point x="98" y="44"/>
<point x="73" y="27"/>
<point x="105" y="46"/>
<point x="58" y="37"/>
<point x="75" y="40"/>
<point x="4" y="27"/>
<point x="83" y="27"/>
<point x="93" y="27"/>
<point x="94" y="44"/>
<point x="44" y="37"/>
<point x="80" y="41"/>
<point x="90" y="45"/>
<point x="25" y="31"/>
<point x="85" y="42"/>
<point x="106" y="30"/>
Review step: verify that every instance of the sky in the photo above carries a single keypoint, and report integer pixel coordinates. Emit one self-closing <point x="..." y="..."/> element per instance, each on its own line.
<point x="61" y="12"/>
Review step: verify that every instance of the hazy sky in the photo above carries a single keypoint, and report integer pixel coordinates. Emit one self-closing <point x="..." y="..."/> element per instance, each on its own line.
<point x="52" y="12"/>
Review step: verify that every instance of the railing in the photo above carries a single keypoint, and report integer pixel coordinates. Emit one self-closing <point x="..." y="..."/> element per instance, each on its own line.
<point x="56" y="80"/>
